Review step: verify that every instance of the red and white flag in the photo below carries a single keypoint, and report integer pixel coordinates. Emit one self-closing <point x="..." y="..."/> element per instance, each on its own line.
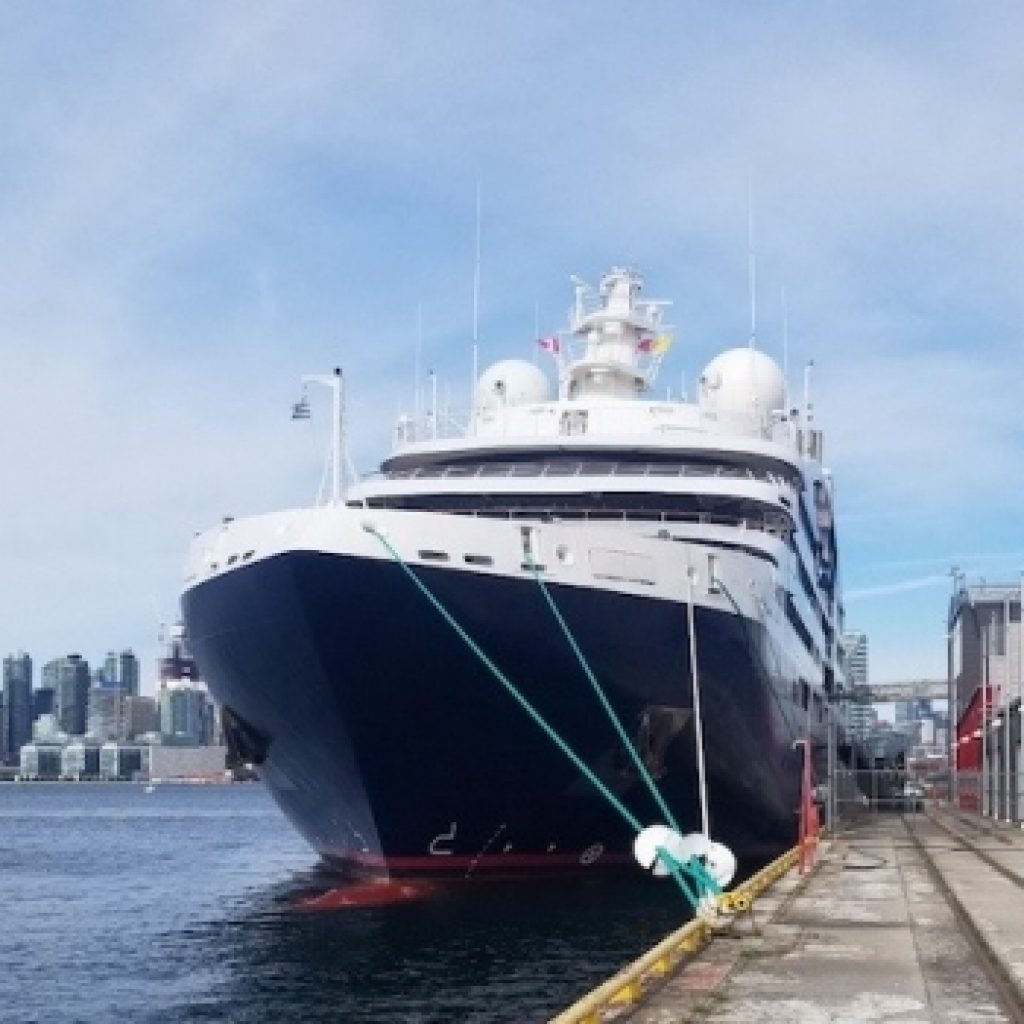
<point x="644" y="344"/>
<point x="550" y="344"/>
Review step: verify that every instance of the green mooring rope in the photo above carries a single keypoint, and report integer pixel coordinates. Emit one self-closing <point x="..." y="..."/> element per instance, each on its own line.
<point x="693" y="869"/>
<point x="605" y="703"/>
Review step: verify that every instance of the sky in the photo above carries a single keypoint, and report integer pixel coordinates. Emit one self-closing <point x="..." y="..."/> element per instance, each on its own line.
<point x="200" y="202"/>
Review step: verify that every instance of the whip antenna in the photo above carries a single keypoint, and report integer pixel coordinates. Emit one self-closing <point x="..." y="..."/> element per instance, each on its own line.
<point x="476" y="300"/>
<point x="751" y="260"/>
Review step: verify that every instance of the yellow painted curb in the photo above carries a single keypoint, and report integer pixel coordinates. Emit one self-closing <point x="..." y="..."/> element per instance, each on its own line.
<point x="627" y="987"/>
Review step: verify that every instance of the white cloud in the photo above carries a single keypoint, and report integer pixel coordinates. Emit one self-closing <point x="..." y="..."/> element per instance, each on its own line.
<point x="201" y="203"/>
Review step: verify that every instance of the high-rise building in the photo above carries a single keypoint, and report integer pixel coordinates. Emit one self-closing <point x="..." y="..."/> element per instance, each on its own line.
<point x="106" y="712"/>
<point x="856" y="645"/>
<point x="186" y="714"/>
<point x="70" y="679"/>
<point x="141" y="716"/>
<point x="122" y="670"/>
<point x="42" y="702"/>
<point x="861" y="720"/>
<point x="17" y="701"/>
<point x="129" y="672"/>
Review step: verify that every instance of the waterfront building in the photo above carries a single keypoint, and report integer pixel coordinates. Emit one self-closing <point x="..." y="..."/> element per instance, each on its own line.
<point x="80" y="759"/>
<point x="40" y="760"/>
<point x="140" y="715"/>
<point x="856" y="645"/>
<point x="986" y="677"/>
<point x="70" y="680"/>
<point x="17" y="705"/>
<point x="46" y="729"/>
<point x="123" y="761"/>
<point x="179" y="762"/>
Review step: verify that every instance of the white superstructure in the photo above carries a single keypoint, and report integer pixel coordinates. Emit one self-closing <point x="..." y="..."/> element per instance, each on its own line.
<point x="722" y="501"/>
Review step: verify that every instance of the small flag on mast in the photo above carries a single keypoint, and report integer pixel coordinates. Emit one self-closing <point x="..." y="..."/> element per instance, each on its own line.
<point x="550" y="344"/>
<point x="655" y="346"/>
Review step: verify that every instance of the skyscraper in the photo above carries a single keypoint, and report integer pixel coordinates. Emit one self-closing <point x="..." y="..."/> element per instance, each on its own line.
<point x="186" y="714"/>
<point x="70" y="679"/>
<point x="856" y="645"/>
<point x="17" y="701"/>
<point x="128" y="673"/>
<point x="106" y="712"/>
<point x="122" y="670"/>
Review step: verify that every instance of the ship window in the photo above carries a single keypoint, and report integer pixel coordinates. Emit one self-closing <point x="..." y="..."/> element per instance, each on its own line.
<point x="434" y="556"/>
<point x="232" y="559"/>
<point x="805" y="695"/>
<point x="574" y="421"/>
<point x="248" y="554"/>
<point x="796" y="693"/>
<point x="478" y="559"/>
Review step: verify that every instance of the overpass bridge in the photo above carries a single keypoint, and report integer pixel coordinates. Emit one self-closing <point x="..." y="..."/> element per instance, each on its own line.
<point x="896" y="693"/>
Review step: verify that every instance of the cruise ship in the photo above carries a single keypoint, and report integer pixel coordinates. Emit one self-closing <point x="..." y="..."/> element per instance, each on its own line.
<point x="685" y="544"/>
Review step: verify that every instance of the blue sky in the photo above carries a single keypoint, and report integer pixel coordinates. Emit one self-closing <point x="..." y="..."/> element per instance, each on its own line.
<point x="201" y="202"/>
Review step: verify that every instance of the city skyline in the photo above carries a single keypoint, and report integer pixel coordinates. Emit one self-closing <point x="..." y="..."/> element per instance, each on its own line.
<point x="203" y="204"/>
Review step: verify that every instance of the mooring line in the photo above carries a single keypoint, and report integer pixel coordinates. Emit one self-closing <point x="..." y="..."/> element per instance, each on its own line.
<point x="601" y="696"/>
<point x="692" y="869"/>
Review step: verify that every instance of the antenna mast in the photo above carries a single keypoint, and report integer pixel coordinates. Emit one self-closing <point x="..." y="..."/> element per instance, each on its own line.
<point x="476" y="300"/>
<point x="751" y="260"/>
<point x="419" y="355"/>
<point x="785" y="347"/>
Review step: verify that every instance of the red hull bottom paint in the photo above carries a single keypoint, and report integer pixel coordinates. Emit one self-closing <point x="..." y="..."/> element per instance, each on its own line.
<point x="372" y="894"/>
<point x="456" y="866"/>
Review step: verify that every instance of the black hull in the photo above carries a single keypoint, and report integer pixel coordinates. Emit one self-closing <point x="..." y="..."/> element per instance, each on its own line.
<point x="392" y="749"/>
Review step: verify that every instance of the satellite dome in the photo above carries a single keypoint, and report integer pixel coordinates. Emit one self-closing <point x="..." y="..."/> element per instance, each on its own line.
<point x="742" y="383"/>
<point x="511" y="382"/>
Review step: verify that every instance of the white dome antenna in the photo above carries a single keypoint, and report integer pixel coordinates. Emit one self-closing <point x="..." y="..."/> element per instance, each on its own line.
<point x="510" y="382"/>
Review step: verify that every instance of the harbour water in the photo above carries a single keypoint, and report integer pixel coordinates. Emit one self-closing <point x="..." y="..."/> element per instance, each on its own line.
<point x="180" y="905"/>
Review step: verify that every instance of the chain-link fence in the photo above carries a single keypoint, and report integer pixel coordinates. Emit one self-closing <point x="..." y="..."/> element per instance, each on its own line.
<point x="861" y="793"/>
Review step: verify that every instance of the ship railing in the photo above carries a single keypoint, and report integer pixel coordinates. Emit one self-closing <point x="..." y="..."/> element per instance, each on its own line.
<point x="608" y="515"/>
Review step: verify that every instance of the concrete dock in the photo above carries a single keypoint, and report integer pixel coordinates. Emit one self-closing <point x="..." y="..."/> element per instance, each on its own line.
<point x="905" y="918"/>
